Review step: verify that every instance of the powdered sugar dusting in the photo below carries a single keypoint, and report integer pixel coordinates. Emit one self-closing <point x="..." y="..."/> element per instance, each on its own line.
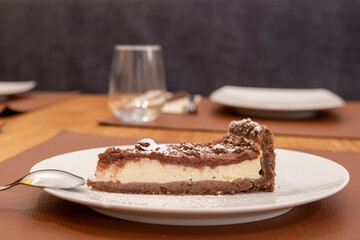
<point x="172" y="202"/>
<point x="194" y="150"/>
<point x="148" y="145"/>
<point x="151" y="144"/>
<point x="218" y="147"/>
<point x="157" y="201"/>
<point x="246" y="123"/>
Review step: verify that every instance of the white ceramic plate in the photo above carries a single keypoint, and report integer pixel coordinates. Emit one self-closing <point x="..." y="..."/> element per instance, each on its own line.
<point x="11" y="88"/>
<point x="301" y="178"/>
<point x="275" y="102"/>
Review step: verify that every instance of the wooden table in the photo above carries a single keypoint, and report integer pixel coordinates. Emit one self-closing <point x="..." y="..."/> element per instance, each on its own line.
<point x="82" y="112"/>
<point x="32" y="213"/>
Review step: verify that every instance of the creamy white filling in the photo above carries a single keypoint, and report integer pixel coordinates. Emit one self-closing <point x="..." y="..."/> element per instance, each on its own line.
<point x="146" y="170"/>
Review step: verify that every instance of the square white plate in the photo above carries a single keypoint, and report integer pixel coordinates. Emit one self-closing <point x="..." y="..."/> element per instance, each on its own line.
<point x="277" y="102"/>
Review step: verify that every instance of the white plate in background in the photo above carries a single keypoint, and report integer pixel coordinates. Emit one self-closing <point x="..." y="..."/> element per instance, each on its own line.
<point x="11" y="88"/>
<point x="276" y="102"/>
<point x="299" y="181"/>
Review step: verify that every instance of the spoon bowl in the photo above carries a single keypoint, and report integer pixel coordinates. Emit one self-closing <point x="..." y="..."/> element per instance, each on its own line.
<point x="49" y="178"/>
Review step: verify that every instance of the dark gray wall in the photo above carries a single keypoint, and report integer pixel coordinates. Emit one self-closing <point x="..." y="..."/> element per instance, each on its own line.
<point x="67" y="44"/>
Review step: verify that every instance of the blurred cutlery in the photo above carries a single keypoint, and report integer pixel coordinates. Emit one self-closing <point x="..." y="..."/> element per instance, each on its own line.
<point x="191" y="107"/>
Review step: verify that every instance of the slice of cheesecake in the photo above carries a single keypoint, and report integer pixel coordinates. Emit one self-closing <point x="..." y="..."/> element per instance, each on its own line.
<point x="242" y="161"/>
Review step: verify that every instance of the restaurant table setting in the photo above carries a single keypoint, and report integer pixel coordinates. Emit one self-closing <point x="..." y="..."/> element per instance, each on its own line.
<point x="138" y="98"/>
<point x="303" y="112"/>
<point x="33" y="213"/>
<point x="314" y="197"/>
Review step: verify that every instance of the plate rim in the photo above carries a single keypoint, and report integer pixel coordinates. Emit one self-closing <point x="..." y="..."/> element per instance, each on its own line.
<point x="192" y="211"/>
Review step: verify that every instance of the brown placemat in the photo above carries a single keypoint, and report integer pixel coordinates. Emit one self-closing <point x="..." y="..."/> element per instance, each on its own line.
<point x="30" y="213"/>
<point x="342" y="122"/>
<point x="31" y="100"/>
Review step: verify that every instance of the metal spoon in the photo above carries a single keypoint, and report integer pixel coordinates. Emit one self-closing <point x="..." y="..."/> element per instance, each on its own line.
<point x="48" y="178"/>
<point x="191" y="107"/>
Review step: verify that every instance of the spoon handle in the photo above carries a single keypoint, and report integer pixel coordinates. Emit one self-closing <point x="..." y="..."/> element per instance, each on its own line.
<point x="10" y="184"/>
<point x="48" y="178"/>
<point x="6" y="187"/>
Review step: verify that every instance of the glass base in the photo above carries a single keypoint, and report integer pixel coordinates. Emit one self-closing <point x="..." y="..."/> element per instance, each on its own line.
<point x="137" y="114"/>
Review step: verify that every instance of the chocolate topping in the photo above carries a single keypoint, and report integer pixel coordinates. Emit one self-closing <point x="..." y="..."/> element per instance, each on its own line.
<point x="230" y="149"/>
